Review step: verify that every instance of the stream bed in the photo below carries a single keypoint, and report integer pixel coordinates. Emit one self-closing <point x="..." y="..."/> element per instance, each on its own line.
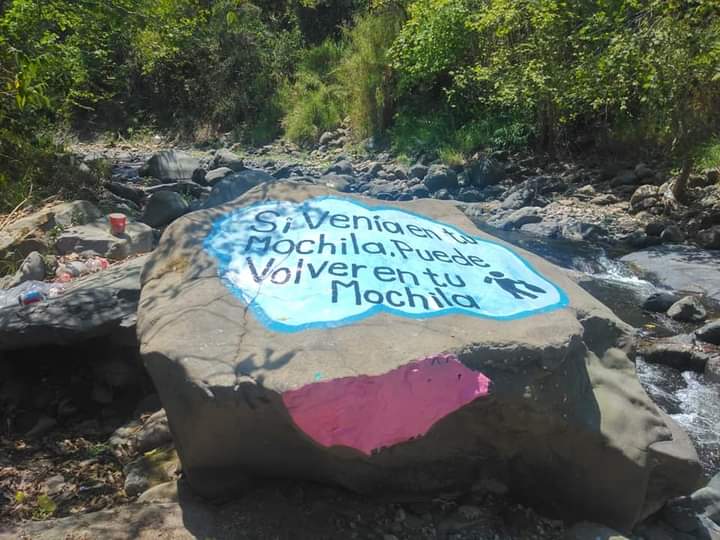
<point x="687" y="397"/>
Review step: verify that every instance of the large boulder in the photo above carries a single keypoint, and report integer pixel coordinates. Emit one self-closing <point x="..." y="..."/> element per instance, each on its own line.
<point x="234" y="185"/>
<point x="393" y="347"/>
<point x="682" y="268"/>
<point x="170" y="165"/>
<point x="102" y="304"/>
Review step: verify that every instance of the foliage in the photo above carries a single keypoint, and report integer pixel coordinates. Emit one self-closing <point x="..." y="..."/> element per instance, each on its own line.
<point x="313" y="103"/>
<point x="708" y="154"/>
<point x="365" y="72"/>
<point x="568" y="65"/>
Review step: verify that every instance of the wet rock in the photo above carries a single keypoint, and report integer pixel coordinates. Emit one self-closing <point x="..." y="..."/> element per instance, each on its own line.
<point x="96" y="236"/>
<point x="170" y="165"/>
<point x="233" y="186"/>
<point x="547" y="229"/>
<point x="440" y="177"/>
<point x="678" y="352"/>
<point x="95" y="305"/>
<point x="660" y="302"/>
<point x="163" y="208"/>
<point x="226" y="158"/>
<point x="687" y="309"/>
<point x="712" y="369"/>
<point x="680" y="268"/>
<point x="710" y="333"/>
<point x="214" y="176"/>
<point x="604" y="200"/>
<point x="230" y="374"/>
<point x="486" y="172"/>
<point x="655" y="228"/>
<point x="578" y="231"/>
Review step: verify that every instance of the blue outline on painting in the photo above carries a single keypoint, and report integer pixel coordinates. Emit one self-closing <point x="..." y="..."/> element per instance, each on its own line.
<point x="306" y="265"/>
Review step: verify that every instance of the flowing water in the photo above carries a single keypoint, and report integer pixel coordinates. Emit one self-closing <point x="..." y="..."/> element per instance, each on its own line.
<point x="687" y="397"/>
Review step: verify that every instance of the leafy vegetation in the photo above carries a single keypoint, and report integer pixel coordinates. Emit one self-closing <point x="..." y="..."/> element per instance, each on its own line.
<point x="447" y="76"/>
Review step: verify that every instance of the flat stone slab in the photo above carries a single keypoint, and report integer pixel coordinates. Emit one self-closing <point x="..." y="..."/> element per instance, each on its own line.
<point x="95" y="305"/>
<point x="394" y="347"/>
<point x="682" y="268"/>
<point x="96" y="236"/>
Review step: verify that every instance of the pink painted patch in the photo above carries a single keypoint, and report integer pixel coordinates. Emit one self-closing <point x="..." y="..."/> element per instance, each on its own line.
<point x="370" y="412"/>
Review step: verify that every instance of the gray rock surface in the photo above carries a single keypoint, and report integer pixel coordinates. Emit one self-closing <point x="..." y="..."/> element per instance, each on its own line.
<point x="96" y="305"/>
<point x="687" y="309"/>
<point x="163" y="207"/>
<point x="96" y="236"/>
<point x="592" y="531"/>
<point x="337" y="182"/>
<point x="565" y="406"/>
<point x="678" y="352"/>
<point x="32" y="268"/>
<point x="682" y="268"/>
<point x="28" y="234"/>
<point x="660" y="302"/>
<point x="710" y="332"/>
<point x="171" y="165"/>
<point x="233" y="186"/>
<point x="440" y="177"/>
<point x="226" y="158"/>
<point x="486" y="172"/>
<point x="214" y="176"/>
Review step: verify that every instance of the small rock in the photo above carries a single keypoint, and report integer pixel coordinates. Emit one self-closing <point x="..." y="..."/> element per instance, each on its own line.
<point x="226" y="158"/>
<point x="486" y="172"/>
<point x="625" y="178"/>
<point x="677" y="352"/>
<point x="710" y="333"/>
<point x="655" y="228"/>
<point x="672" y="234"/>
<point x="31" y="269"/>
<point x="340" y="167"/>
<point x="214" y="176"/>
<point x="151" y="469"/>
<point x="167" y="492"/>
<point x="417" y="171"/>
<point x="688" y="309"/>
<point x="164" y="207"/>
<point x="642" y="171"/>
<point x="440" y="177"/>
<point x="709" y="238"/>
<point x="170" y="165"/>
<point x="645" y="197"/>
<point x="660" y="302"/>
<point x="604" y="200"/>
<point x="326" y="137"/>
<point x="154" y="433"/>
<point x="681" y="515"/>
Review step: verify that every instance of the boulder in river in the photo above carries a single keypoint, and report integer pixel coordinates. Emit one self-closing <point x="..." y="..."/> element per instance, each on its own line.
<point x="687" y="309"/>
<point x="679" y="267"/>
<point x="393" y="347"/>
<point x="710" y="333"/>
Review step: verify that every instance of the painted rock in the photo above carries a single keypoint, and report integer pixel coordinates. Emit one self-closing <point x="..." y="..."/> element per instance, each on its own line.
<point x="393" y="347"/>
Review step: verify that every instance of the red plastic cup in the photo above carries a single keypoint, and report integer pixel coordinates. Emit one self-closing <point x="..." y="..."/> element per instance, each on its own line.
<point x="118" y="222"/>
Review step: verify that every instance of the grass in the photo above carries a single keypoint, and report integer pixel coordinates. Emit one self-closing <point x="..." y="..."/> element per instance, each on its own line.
<point x="452" y="141"/>
<point x="708" y="155"/>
